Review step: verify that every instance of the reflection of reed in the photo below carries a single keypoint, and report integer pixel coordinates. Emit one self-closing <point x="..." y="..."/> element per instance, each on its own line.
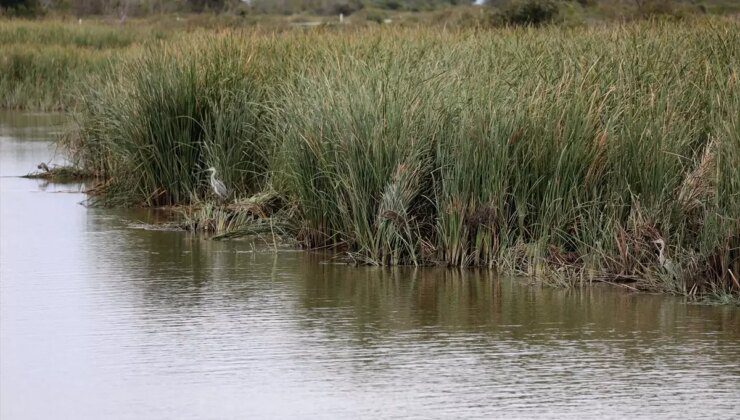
<point x="460" y="297"/>
<point x="30" y="125"/>
<point x="402" y="298"/>
<point x="176" y="269"/>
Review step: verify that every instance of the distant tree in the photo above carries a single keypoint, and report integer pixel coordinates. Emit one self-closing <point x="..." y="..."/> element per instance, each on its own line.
<point x="199" y="6"/>
<point x="326" y="7"/>
<point x="654" y="7"/>
<point x="344" y="7"/>
<point x="529" y="12"/>
<point x="11" y="4"/>
<point x="21" y="7"/>
<point x="320" y="7"/>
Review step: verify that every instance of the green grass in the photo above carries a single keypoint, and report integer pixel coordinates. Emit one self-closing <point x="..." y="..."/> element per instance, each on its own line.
<point x="556" y="152"/>
<point x="44" y="78"/>
<point x="44" y="64"/>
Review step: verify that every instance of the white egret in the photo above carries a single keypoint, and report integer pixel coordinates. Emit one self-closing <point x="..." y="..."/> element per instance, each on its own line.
<point x="217" y="186"/>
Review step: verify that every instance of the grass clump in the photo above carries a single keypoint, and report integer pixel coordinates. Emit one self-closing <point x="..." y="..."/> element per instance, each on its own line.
<point x="356" y="153"/>
<point x="59" y="173"/>
<point x="263" y="215"/>
<point x="156" y="124"/>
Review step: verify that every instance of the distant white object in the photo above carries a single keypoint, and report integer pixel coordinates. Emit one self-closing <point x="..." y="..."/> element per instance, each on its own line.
<point x="217" y="186"/>
<point x="79" y="21"/>
<point x="341" y="18"/>
<point x="387" y="20"/>
<point x="479" y="2"/>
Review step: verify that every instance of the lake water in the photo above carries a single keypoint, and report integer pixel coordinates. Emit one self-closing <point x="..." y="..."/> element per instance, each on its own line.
<point x="101" y="319"/>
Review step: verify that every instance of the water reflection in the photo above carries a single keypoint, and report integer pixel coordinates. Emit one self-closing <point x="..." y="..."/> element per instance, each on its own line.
<point x="101" y="318"/>
<point x="30" y="126"/>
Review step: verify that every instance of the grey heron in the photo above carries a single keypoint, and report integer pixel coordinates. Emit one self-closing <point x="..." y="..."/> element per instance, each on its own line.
<point x="663" y="260"/>
<point x="217" y="186"/>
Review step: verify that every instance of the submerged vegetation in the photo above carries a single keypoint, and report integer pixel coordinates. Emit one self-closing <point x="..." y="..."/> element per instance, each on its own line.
<point x="575" y="154"/>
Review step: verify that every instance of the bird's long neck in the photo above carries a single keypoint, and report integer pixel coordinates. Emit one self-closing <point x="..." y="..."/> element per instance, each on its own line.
<point x="213" y="175"/>
<point x="661" y="253"/>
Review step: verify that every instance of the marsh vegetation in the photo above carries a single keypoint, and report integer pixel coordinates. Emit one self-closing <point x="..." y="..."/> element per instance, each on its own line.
<point x="565" y="153"/>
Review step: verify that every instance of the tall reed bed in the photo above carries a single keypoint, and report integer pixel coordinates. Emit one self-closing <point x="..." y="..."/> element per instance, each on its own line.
<point x="164" y="117"/>
<point x="567" y="153"/>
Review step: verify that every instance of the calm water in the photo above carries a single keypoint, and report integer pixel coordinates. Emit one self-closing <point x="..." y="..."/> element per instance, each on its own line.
<point x="101" y="319"/>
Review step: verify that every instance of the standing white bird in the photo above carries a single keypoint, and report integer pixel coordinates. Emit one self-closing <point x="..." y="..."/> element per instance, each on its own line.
<point x="663" y="260"/>
<point x="661" y="251"/>
<point x="217" y="186"/>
